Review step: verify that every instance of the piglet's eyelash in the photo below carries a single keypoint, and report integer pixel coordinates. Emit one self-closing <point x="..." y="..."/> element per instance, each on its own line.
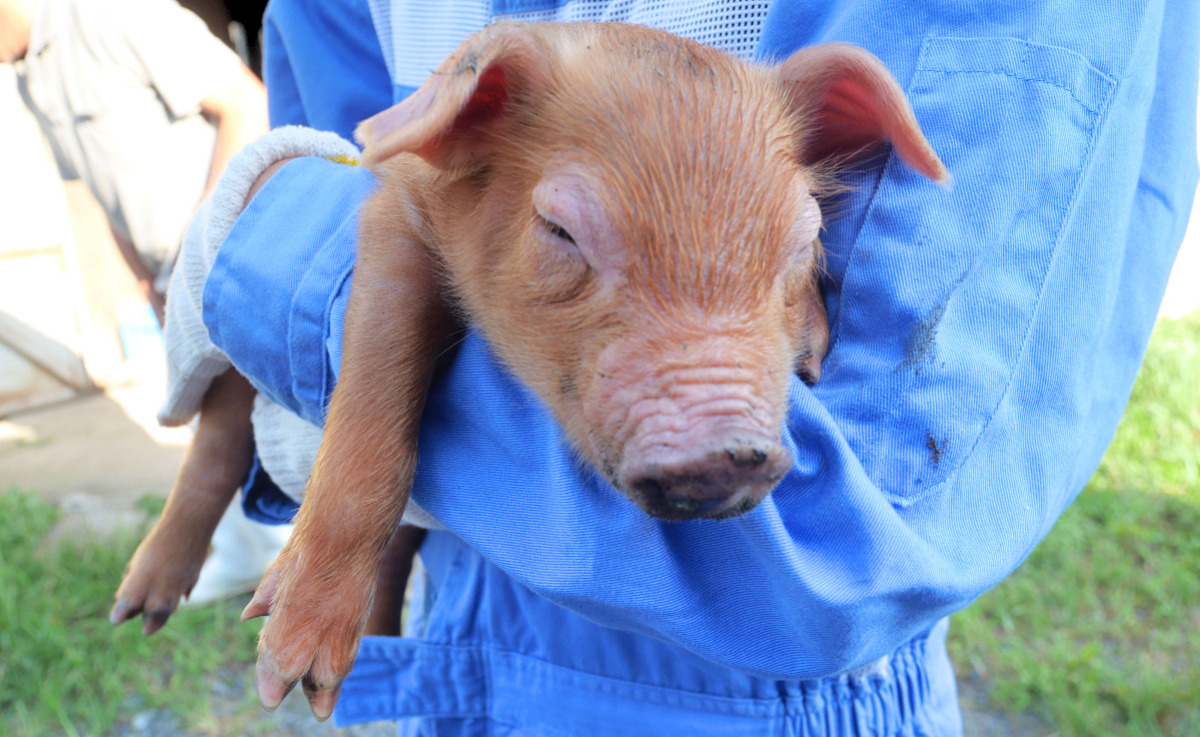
<point x="558" y="231"/>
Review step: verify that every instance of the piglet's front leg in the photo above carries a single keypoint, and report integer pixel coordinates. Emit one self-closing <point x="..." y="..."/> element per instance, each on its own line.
<point x="319" y="591"/>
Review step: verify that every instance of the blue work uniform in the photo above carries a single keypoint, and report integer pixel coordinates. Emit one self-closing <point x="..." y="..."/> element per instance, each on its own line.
<point x="984" y="341"/>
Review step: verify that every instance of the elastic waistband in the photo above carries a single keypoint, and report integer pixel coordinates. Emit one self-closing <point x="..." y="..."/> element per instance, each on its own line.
<point x="399" y="678"/>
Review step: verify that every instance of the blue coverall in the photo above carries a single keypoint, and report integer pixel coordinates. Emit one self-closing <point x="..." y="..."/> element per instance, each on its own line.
<point x="984" y="342"/>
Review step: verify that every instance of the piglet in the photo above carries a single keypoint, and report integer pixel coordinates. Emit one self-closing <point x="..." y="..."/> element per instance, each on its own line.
<point x="631" y="220"/>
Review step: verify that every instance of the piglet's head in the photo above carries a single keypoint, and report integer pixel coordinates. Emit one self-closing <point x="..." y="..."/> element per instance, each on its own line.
<point x="631" y="219"/>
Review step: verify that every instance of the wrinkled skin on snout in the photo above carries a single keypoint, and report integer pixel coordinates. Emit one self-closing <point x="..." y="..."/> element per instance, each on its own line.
<point x="631" y="220"/>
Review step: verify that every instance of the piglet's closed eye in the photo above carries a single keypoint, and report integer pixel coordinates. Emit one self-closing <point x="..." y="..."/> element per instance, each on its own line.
<point x="850" y="104"/>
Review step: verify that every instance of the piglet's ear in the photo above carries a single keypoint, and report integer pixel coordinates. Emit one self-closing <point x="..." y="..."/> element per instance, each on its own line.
<point x="451" y="120"/>
<point x="851" y="103"/>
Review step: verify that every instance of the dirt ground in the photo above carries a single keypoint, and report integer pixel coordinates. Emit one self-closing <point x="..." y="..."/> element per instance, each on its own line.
<point x="94" y="456"/>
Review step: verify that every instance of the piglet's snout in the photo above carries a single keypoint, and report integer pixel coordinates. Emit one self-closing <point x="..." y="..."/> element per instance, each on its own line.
<point x="692" y="427"/>
<point x="723" y="476"/>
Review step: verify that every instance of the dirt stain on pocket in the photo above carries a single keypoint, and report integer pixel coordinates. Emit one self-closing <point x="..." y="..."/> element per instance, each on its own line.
<point x="920" y="343"/>
<point x="935" y="449"/>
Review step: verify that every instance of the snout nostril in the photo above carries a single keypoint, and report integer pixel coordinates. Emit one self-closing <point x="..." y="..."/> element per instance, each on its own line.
<point x="747" y="457"/>
<point x="717" y="479"/>
<point x="649" y="488"/>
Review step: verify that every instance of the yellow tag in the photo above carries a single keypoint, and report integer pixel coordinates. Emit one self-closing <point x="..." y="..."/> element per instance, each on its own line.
<point x="343" y="160"/>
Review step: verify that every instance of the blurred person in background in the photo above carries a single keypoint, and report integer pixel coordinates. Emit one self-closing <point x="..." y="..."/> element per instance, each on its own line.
<point x="139" y="100"/>
<point x="142" y="103"/>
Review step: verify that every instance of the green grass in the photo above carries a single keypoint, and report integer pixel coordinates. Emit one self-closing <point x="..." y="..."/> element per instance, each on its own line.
<point x="1099" y="631"/>
<point x="63" y="669"/>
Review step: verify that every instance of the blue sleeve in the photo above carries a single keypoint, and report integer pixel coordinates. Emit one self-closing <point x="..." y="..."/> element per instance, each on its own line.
<point x="984" y="343"/>
<point x="323" y="65"/>
<point x="272" y="297"/>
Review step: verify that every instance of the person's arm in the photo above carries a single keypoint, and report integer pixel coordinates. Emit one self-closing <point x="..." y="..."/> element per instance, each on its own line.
<point x="237" y="105"/>
<point x="145" y="278"/>
<point x="193" y="72"/>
